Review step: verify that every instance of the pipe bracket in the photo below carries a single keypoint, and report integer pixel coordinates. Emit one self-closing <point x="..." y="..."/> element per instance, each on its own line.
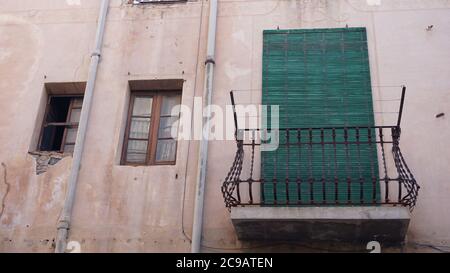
<point x="96" y="54"/>
<point x="210" y="60"/>
<point x="63" y="224"/>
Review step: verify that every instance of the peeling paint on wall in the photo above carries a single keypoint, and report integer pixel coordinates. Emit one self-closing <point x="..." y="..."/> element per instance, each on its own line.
<point x="46" y="159"/>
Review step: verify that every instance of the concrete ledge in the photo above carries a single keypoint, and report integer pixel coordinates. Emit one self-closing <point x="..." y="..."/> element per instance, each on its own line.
<point x="388" y="225"/>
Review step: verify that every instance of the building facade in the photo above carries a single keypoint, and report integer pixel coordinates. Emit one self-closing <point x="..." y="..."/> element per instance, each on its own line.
<point x="138" y="184"/>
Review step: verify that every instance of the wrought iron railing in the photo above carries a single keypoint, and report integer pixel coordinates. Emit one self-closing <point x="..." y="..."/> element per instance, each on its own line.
<point x="333" y="166"/>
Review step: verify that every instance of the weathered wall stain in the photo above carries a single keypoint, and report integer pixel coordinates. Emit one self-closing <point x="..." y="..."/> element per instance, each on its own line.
<point x="5" y="190"/>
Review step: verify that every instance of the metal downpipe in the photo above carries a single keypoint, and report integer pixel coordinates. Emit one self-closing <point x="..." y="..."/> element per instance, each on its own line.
<point x="203" y="150"/>
<point x="66" y="215"/>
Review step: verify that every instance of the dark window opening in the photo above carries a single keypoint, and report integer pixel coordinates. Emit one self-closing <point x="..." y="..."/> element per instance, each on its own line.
<point x="60" y="126"/>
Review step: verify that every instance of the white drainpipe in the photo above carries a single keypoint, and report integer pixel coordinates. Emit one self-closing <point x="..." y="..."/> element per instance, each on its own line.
<point x="66" y="215"/>
<point x="203" y="152"/>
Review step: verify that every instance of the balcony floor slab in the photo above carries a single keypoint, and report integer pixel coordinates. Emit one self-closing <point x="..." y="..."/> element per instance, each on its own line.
<point x="387" y="225"/>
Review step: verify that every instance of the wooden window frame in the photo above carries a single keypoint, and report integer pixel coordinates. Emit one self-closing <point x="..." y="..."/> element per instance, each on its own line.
<point x="155" y="119"/>
<point x="71" y="125"/>
<point x="67" y="125"/>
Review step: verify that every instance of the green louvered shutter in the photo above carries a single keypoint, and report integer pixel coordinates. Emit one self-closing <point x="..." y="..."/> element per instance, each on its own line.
<point x="319" y="78"/>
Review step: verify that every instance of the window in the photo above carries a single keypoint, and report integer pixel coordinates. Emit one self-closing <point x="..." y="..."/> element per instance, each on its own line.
<point x="59" y="130"/>
<point x="152" y="128"/>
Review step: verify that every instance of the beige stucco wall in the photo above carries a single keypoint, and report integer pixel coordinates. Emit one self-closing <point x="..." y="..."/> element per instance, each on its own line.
<point x="139" y="209"/>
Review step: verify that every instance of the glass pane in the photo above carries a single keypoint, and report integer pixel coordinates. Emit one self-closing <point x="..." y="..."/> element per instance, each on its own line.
<point x="75" y="115"/>
<point x="142" y="106"/>
<point x="168" y="127"/>
<point x="140" y="128"/>
<point x="71" y="135"/>
<point x="169" y="102"/>
<point x="77" y="102"/>
<point x="68" y="148"/>
<point x="166" y="150"/>
<point x="137" y="151"/>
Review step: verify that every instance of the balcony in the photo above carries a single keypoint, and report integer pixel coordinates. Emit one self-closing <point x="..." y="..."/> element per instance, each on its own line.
<point x="333" y="184"/>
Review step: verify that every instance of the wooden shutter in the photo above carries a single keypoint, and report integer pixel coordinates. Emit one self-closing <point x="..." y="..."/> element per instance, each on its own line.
<point x="319" y="78"/>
